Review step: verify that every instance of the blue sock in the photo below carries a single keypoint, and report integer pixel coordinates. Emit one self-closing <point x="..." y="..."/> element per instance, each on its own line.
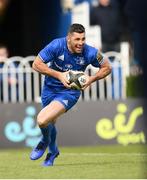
<point x="52" y="143"/>
<point x="45" y="133"/>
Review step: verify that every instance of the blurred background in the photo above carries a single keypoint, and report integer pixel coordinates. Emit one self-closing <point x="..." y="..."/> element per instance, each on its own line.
<point x="117" y="28"/>
<point x="104" y="135"/>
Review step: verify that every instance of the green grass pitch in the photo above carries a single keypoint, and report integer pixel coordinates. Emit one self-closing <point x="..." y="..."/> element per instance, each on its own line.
<point x="97" y="162"/>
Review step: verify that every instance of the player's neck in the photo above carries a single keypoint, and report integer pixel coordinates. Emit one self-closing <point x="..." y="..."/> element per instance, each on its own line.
<point x="69" y="48"/>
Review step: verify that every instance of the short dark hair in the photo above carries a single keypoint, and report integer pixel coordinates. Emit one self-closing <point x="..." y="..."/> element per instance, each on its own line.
<point x="78" y="28"/>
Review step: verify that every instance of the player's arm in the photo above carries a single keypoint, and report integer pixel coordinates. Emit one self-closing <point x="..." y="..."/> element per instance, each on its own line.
<point x="41" y="67"/>
<point x="105" y="70"/>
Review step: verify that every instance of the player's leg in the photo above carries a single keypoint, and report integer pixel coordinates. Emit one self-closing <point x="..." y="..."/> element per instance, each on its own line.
<point x="45" y="120"/>
<point x="50" y="113"/>
<point x="68" y="100"/>
<point x="53" y="134"/>
<point x="52" y="146"/>
<point x="47" y="117"/>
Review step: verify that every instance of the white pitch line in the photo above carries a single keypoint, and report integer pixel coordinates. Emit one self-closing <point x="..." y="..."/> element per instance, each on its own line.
<point x="104" y="154"/>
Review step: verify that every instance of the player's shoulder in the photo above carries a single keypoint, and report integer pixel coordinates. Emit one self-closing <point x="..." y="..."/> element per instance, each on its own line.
<point x="57" y="43"/>
<point x="90" y="50"/>
<point x="60" y="41"/>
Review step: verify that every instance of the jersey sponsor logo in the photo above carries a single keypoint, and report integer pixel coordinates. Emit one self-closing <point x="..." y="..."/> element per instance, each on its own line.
<point x="68" y="66"/>
<point x="80" y="61"/>
<point x="65" y="102"/>
<point x="59" y="67"/>
<point x="99" y="57"/>
<point x="61" y="57"/>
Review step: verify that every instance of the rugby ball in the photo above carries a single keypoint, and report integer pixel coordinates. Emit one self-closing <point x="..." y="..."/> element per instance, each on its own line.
<point x="76" y="79"/>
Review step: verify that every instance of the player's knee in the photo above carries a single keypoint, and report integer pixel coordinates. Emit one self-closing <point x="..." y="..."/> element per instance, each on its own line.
<point x="41" y="122"/>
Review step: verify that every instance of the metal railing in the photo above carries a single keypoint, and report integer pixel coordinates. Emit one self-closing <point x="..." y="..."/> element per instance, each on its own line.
<point x="20" y="83"/>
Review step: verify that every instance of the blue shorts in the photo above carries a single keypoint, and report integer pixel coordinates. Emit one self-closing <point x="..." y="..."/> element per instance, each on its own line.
<point x="65" y="96"/>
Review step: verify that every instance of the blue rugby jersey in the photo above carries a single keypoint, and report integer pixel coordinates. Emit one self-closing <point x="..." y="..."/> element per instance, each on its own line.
<point x="59" y="58"/>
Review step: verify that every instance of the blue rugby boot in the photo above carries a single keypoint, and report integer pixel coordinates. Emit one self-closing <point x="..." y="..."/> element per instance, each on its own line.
<point x="38" y="151"/>
<point x="49" y="161"/>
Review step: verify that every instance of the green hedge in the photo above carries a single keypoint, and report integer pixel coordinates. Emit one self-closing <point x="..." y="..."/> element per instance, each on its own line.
<point x="135" y="86"/>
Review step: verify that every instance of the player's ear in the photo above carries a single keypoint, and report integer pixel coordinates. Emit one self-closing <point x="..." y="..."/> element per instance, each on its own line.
<point x="68" y="37"/>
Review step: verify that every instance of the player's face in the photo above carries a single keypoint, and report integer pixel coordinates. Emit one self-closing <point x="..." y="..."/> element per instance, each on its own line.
<point x="75" y="42"/>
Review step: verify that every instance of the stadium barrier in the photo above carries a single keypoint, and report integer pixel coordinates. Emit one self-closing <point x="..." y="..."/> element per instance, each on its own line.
<point x="20" y="83"/>
<point x="86" y="124"/>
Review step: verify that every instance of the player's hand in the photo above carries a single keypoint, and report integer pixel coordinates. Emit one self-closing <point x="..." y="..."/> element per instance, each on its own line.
<point x="63" y="78"/>
<point x="87" y="83"/>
